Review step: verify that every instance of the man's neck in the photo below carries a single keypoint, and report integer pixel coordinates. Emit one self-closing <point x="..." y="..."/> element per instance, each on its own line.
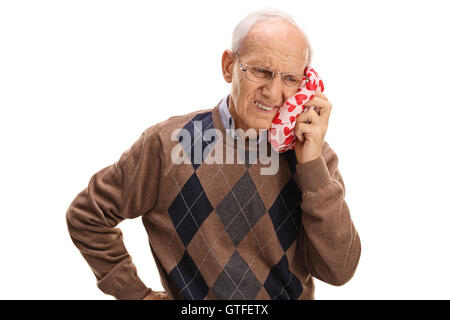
<point x="238" y="122"/>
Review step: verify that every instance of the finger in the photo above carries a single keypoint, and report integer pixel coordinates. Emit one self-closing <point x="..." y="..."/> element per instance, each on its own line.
<point x="317" y="101"/>
<point x="323" y="106"/>
<point x="300" y="137"/>
<point x="303" y="131"/>
<point x="309" y="116"/>
<point x="317" y="93"/>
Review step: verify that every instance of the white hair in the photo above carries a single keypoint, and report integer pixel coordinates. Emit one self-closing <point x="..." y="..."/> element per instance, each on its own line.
<point x="242" y="29"/>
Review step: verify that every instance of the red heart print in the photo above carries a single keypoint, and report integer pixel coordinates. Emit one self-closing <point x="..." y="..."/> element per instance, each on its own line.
<point x="312" y="85"/>
<point x="274" y="143"/>
<point x="287" y="131"/>
<point x="292" y="119"/>
<point x="291" y="106"/>
<point x="288" y="140"/>
<point x="277" y="120"/>
<point x="321" y="85"/>
<point x="300" y="97"/>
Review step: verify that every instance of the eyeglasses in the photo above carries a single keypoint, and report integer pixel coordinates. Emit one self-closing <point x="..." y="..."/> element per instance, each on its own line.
<point x="263" y="75"/>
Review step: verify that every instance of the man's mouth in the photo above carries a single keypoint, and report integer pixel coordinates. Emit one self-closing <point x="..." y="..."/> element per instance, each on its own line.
<point x="264" y="107"/>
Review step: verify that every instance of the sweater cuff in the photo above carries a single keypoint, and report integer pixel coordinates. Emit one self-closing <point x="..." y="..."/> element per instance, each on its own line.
<point x="123" y="283"/>
<point x="312" y="175"/>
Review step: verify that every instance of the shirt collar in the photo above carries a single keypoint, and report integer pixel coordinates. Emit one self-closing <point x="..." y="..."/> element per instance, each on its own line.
<point x="228" y="122"/>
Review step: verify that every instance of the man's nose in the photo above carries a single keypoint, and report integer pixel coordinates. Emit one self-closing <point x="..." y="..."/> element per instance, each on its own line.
<point x="274" y="87"/>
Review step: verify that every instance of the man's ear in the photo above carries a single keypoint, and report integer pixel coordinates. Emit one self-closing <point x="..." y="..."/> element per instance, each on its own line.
<point x="228" y="59"/>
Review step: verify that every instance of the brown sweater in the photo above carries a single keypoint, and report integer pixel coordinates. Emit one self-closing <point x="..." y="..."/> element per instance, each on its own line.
<point x="217" y="231"/>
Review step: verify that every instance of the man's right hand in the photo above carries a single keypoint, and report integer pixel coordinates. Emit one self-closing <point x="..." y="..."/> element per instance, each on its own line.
<point x="156" y="295"/>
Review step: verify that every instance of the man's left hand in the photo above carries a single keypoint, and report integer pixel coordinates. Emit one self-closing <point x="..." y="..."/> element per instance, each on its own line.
<point x="311" y="127"/>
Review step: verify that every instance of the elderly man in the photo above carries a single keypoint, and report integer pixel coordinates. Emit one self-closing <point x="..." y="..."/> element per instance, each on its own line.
<point x="223" y="229"/>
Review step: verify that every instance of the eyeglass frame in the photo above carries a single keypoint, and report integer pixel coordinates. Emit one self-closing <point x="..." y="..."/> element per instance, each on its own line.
<point x="273" y="74"/>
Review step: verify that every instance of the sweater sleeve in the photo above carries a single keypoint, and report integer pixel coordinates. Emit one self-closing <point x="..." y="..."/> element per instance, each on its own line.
<point x="331" y="243"/>
<point x="126" y="189"/>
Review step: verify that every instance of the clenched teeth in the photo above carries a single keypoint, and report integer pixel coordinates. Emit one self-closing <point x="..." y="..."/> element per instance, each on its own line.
<point x="264" y="107"/>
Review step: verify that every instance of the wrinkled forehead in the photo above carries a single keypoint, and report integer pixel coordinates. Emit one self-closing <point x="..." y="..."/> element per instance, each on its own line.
<point x="276" y="59"/>
<point x="276" y="46"/>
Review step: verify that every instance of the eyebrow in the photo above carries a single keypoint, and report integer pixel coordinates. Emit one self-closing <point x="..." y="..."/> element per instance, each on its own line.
<point x="269" y="68"/>
<point x="257" y="63"/>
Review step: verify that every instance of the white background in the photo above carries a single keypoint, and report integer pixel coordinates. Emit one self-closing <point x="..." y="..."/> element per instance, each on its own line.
<point x="81" y="80"/>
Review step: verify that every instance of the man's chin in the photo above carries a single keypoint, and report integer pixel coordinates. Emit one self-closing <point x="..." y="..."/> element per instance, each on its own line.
<point x="264" y="124"/>
<point x="260" y="125"/>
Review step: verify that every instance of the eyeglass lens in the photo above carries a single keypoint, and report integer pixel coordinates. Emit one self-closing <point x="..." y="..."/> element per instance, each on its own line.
<point x="262" y="75"/>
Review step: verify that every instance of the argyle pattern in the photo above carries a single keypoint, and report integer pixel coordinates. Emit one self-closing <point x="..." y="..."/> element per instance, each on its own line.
<point x="255" y="231"/>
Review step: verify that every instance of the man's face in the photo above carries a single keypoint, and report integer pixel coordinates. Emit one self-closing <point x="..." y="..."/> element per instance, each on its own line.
<point x="274" y="45"/>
